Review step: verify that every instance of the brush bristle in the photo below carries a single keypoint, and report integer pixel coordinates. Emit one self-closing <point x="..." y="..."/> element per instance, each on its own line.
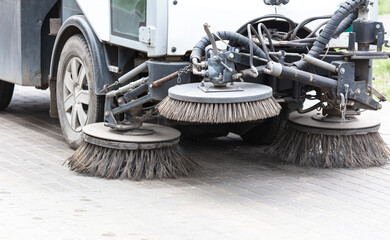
<point x="167" y="162"/>
<point x="218" y="112"/>
<point x="350" y="151"/>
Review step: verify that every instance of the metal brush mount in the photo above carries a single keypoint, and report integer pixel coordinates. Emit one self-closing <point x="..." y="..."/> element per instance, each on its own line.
<point x="220" y="63"/>
<point x="219" y="66"/>
<point x="125" y="99"/>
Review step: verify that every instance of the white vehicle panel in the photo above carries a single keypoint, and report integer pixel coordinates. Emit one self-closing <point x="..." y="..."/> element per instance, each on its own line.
<point x="176" y="28"/>
<point x="186" y="19"/>
<point x="97" y="13"/>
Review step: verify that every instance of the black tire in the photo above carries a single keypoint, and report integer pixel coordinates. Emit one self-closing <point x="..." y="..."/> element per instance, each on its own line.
<point x="268" y="131"/>
<point x="82" y="106"/>
<point x="6" y="92"/>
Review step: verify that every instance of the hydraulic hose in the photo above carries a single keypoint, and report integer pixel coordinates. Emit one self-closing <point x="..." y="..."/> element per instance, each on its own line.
<point x="291" y="24"/>
<point x="346" y="23"/>
<point x="233" y="37"/>
<point x="330" y="29"/>
<point x="302" y="24"/>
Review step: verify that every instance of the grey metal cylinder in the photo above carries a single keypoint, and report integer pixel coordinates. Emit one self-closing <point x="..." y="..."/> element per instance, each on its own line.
<point x="278" y="70"/>
<point x="319" y="63"/>
<point x="133" y="73"/>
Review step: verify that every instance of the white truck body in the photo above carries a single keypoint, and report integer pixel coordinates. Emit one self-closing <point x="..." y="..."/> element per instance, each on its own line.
<point x="173" y="29"/>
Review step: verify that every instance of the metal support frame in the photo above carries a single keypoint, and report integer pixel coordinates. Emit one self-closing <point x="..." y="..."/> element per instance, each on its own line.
<point x="354" y="90"/>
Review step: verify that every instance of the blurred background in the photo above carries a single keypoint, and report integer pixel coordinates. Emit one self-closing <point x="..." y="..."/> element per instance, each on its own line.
<point x="382" y="67"/>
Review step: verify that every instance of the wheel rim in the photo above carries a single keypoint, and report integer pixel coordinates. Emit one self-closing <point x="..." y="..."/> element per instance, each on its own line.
<point x="76" y="94"/>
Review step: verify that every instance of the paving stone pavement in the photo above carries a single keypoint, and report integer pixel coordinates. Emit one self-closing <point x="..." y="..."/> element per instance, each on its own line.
<point x="235" y="193"/>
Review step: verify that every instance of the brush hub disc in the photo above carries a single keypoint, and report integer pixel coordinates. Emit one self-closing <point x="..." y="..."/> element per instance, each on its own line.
<point x="316" y="123"/>
<point x="158" y="137"/>
<point x="237" y="93"/>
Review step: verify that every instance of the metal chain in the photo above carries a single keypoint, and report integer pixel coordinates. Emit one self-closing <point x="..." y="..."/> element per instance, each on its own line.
<point x="344" y="103"/>
<point x="184" y="70"/>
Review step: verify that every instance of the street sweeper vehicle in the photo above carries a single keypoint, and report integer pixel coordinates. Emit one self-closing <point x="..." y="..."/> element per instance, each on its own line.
<point x="126" y="75"/>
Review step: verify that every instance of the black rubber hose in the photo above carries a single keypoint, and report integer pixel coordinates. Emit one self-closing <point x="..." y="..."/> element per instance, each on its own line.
<point x="346" y="23"/>
<point x="307" y="21"/>
<point x="291" y="24"/>
<point x="250" y="37"/>
<point x="268" y="34"/>
<point x="329" y="31"/>
<point x="232" y="37"/>
<point x="316" y="29"/>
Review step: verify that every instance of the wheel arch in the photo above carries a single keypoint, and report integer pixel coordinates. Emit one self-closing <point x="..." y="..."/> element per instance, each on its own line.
<point x="78" y="24"/>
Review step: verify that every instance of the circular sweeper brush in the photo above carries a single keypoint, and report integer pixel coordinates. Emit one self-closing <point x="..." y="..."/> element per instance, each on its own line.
<point x="205" y="103"/>
<point x="151" y="151"/>
<point x="327" y="141"/>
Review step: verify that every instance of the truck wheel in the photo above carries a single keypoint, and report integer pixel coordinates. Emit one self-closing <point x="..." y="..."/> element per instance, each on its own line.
<point x="78" y="105"/>
<point x="6" y="91"/>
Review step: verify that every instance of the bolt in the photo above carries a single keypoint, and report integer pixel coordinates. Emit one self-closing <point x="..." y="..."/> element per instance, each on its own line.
<point x="378" y="26"/>
<point x="342" y="70"/>
<point x="173" y="49"/>
<point x="120" y="101"/>
<point x="358" y="91"/>
<point x="175" y="2"/>
<point x="231" y="55"/>
<point x="107" y="114"/>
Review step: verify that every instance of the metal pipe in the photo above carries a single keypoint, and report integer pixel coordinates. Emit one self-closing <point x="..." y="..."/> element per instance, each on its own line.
<point x="249" y="72"/>
<point x="278" y="70"/>
<point x="319" y="63"/>
<point x="212" y="40"/>
<point x="135" y="93"/>
<point x="133" y="73"/>
<point x="195" y="71"/>
<point x="127" y="88"/>
<point x="165" y="79"/>
<point x="199" y="64"/>
<point x="126" y="107"/>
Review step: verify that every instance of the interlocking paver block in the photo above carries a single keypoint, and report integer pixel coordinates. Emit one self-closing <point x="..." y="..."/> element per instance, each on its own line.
<point x="236" y="193"/>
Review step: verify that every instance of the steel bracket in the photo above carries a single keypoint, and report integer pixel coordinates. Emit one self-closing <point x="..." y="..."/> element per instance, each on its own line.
<point x="355" y="90"/>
